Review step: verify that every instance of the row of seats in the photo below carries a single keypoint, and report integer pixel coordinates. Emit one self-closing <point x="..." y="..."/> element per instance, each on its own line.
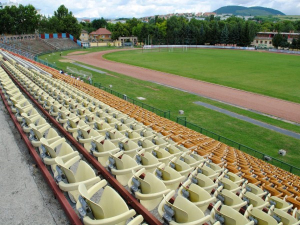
<point x="182" y="169"/>
<point x="56" y="153"/>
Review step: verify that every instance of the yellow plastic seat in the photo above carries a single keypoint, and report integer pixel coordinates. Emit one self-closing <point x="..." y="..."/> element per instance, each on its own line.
<point x="129" y="147"/>
<point x="203" y="181"/>
<point x="63" y="117"/>
<point x="37" y="120"/>
<point x="147" y="134"/>
<point x="111" y="121"/>
<point x="228" y="216"/>
<point x="161" y="142"/>
<point x="147" y="188"/>
<point x="110" y="210"/>
<point x="122" y="166"/>
<point x="102" y="127"/>
<point x="134" y="136"/>
<point x="254" y="200"/>
<point x="197" y="195"/>
<point x="284" y="217"/>
<point x="114" y="136"/>
<point x="180" y="166"/>
<point x="147" y="160"/>
<point x="230" y="199"/>
<point x="260" y="217"/>
<point x="193" y="160"/>
<point x="73" y="125"/>
<point x="229" y="185"/>
<point x="255" y="190"/>
<point x="215" y="167"/>
<point x="182" y="211"/>
<point x="87" y="135"/>
<point x="136" y="127"/>
<point x="207" y="171"/>
<point x="162" y="155"/>
<point x="235" y="178"/>
<point x="122" y="128"/>
<point x="102" y="149"/>
<point x="170" y="177"/>
<point x="49" y="152"/>
<point x="68" y="180"/>
<point x="45" y="131"/>
<point x="279" y="203"/>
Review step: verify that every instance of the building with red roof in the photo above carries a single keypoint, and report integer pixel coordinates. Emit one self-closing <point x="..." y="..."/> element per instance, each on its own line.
<point x="102" y="34"/>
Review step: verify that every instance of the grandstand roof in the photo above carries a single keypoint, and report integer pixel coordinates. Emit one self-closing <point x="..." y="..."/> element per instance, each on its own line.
<point x="101" y="31"/>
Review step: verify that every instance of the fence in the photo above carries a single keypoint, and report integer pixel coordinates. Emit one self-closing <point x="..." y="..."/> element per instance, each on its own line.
<point x="246" y="149"/>
<point x="165" y="114"/>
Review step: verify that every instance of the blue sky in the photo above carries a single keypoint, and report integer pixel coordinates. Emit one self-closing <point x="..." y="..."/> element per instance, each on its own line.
<point x="139" y="8"/>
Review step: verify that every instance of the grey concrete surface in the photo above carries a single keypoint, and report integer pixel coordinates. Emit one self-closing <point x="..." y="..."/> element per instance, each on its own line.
<point x="25" y="196"/>
<point x="249" y="120"/>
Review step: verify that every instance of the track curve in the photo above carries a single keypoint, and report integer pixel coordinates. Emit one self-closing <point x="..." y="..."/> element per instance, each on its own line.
<point x="261" y="103"/>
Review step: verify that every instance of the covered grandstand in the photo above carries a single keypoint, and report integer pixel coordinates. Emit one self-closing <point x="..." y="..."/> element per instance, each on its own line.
<point x="156" y="170"/>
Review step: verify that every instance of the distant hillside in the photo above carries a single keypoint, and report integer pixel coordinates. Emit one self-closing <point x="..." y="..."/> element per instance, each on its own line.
<point x="248" y="11"/>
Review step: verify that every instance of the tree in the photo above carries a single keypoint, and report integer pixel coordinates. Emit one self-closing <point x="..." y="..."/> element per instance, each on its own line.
<point x="294" y="44"/>
<point x="224" y="39"/>
<point x="99" y="23"/>
<point x="277" y="39"/>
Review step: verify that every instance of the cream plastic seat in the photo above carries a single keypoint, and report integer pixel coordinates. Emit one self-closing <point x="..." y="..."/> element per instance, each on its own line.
<point x="255" y="190"/>
<point x="129" y="147"/>
<point x="207" y="171"/>
<point x="147" y="134"/>
<point x="111" y="121"/>
<point x="235" y="178"/>
<point x="45" y="131"/>
<point x="136" y="127"/>
<point x="137" y="220"/>
<point x="162" y="155"/>
<point x="101" y="114"/>
<point x="68" y="180"/>
<point x="197" y="195"/>
<point x="73" y="125"/>
<point x="43" y="97"/>
<point x="114" y="136"/>
<point x="230" y="199"/>
<point x="110" y="210"/>
<point x="161" y="142"/>
<point x="147" y="160"/>
<point x="229" y="185"/>
<point x="284" y="217"/>
<point x="193" y="160"/>
<point x="119" y="115"/>
<point x="128" y="121"/>
<point x="170" y="177"/>
<point x="122" y="166"/>
<point x="181" y="211"/>
<point x="102" y="149"/>
<point x="173" y="150"/>
<point x="49" y="152"/>
<point x="90" y="119"/>
<point x="260" y="217"/>
<point x="203" y="181"/>
<point x="82" y="112"/>
<point x="111" y="110"/>
<point x="56" y="109"/>
<point x="218" y="169"/>
<point x="122" y="128"/>
<point x="37" y="120"/>
<point x="180" y="166"/>
<point x="255" y="201"/>
<point x="87" y="135"/>
<point x="63" y="117"/>
<point x="102" y="127"/>
<point x="228" y="216"/>
<point x="134" y="136"/>
<point x="147" y="188"/>
<point x="279" y="203"/>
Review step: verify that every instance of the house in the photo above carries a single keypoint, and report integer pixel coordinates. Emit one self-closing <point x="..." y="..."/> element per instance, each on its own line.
<point x="84" y="36"/>
<point x="264" y="39"/>
<point x="100" y="35"/>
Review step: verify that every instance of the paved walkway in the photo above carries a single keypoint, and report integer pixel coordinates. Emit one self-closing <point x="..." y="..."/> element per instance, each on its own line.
<point x="247" y="119"/>
<point x="272" y="106"/>
<point x="25" y="195"/>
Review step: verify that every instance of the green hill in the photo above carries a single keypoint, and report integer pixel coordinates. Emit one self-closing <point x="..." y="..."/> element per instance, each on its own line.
<point x="248" y="11"/>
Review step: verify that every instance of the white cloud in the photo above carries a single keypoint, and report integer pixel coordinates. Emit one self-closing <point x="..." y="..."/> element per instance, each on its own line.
<point x="140" y="8"/>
